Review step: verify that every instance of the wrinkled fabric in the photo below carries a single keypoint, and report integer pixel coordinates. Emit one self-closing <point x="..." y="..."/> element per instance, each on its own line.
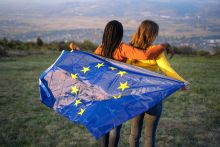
<point x="106" y="95"/>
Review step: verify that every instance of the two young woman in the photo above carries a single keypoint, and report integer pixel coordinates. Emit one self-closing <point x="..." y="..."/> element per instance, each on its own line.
<point x="142" y="53"/>
<point x="113" y="48"/>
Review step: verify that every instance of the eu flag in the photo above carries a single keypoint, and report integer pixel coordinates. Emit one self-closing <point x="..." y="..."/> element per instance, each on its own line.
<point x="101" y="93"/>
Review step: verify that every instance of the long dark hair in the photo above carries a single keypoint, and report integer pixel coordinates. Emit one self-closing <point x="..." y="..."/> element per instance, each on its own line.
<point x="145" y="35"/>
<point x="112" y="37"/>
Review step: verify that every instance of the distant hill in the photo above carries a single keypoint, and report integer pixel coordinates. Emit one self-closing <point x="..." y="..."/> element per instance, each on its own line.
<point x="182" y="18"/>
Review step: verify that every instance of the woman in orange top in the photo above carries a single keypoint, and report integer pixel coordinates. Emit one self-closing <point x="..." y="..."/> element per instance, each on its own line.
<point x="143" y="39"/>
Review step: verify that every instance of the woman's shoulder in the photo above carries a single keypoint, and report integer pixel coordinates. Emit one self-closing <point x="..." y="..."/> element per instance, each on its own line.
<point x="125" y="45"/>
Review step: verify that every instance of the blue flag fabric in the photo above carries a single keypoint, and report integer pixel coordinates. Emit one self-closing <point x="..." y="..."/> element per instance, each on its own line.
<point x="101" y="93"/>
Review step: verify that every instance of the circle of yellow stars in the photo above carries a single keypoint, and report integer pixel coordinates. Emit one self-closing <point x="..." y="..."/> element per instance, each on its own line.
<point x="75" y="89"/>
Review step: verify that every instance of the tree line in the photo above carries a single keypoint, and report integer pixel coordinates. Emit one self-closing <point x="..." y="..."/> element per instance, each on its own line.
<point x="7" y="47"/>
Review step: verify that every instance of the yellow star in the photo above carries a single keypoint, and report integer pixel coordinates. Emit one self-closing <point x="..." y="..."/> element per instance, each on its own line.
<point x="112" y="68"/>
<point x="121" y="73"/>
<point x="81" y="111"/>
<point x="85" y="69"/>
<point x="99" y="65"/>
<point x="77" y="102"/>
<point x="123" y="86"/>
<point x="74" y="89"/>
<point x="74" y="76"/>
<point x="117" y="96"/>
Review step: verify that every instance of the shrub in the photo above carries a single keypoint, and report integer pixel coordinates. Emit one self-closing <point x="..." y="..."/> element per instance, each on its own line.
<point x="203" y="53"/>
<point x="4" y="42"/>
<point x="14" y="44"/>
<point x="184" y="50"/>
<point x="3" y="52"/>
<point x="62" y="46"/>
<point x="217" y="51"/>
<point x="40" y="41"/>
<point x="88" y="45"/>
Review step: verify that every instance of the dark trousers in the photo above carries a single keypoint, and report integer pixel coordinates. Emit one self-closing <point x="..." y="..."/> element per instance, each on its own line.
<point x="152" y="117"/>
<point x="111" y="139"/>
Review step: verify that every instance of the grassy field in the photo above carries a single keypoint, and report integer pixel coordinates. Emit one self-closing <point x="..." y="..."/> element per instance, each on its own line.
<point x="189" y="119"/>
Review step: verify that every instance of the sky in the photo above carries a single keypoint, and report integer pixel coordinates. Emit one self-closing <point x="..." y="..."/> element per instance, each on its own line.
<point x="62" y="1"/>
<point x="41" y="1"/>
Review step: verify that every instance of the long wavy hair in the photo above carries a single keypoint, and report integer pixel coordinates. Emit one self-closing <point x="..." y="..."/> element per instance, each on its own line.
<point x="112" y="37"/>
<point x="145" y="35"/>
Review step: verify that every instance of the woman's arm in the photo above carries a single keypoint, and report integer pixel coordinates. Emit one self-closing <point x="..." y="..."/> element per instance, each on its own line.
<point x="169" y="49"/>
<point x="129" y="52"/>
<point x="167" y="69"/>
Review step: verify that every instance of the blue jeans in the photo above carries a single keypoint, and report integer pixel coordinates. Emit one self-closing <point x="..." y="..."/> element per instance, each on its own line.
<point x="150" y="126"/>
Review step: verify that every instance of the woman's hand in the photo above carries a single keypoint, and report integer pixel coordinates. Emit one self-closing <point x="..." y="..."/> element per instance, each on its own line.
<point x="187" y="86"/>
<point x="168" y="49"/>
<point x="73" y="46"/>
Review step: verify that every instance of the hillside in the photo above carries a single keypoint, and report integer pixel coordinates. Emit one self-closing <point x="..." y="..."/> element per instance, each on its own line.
<point x="189" y="118"/>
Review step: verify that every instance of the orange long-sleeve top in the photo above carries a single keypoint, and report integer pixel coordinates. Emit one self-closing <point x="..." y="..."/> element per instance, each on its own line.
<point x="125" y="51"/>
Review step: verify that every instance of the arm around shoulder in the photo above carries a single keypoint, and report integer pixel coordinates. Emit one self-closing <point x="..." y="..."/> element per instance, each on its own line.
<point x="130" y="52"/>
<point x="154" y="51"/>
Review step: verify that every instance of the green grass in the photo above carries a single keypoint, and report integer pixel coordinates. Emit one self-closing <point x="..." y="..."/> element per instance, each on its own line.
<point x="189" y="118"/>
